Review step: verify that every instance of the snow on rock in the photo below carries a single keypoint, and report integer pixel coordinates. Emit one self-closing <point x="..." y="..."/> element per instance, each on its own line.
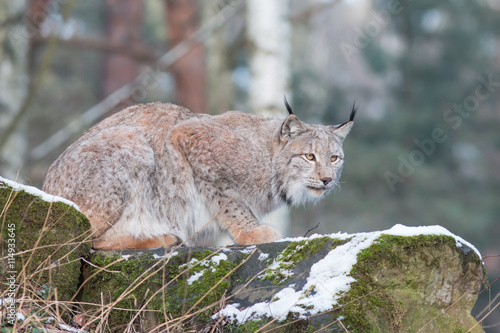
<point x="209" y="263"/>
<point x="328" y="279"/>
<point x="71" y="329"/>
<point x="217" y="258"/>
<point x="167" y="256"/>
<point x="195" y="277"/>
<point x="401" y="230"/>
<point x="263" y="256"/>
<point x="37" y="192"/>
<point x="248" y="249"/>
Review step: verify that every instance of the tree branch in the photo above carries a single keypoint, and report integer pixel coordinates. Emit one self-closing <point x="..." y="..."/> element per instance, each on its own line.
<point x="137" y="52"/>
<point x="33" y="86"/>
<point x="98" y="110"/>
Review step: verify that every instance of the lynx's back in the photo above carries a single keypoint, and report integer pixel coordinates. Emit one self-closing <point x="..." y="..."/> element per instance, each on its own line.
<point x="158" y="174"/>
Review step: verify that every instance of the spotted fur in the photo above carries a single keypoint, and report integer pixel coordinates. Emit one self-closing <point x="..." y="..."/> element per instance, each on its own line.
<point x="158" y="174"/>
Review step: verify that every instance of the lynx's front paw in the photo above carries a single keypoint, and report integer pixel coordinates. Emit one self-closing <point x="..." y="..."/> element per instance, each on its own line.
<point x="259" y="235"/>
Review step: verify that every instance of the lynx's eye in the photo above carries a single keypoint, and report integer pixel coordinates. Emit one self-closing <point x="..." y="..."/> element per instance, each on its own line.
<point x="310" y="157"/>
<point x="334" y="158"/>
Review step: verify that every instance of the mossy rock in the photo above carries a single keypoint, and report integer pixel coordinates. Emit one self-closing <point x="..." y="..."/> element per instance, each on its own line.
<point x="404" y="279"/>
<point x="46" y="240"/>
<point x="188" y="283"/>
<point x="396" y="284"/>
<point x="149" y="289"/>
<point x="422" y="283"/>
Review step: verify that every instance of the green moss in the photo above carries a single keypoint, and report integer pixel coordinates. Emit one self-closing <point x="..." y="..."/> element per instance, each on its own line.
<point x="280" y="271"/>
<point x="369" y="306"/>
<point x="249" y="326"/>
<point x="166" y="288"/>
<point x="207" y="274"/>
<point x="292" y="324"/>
<point x="59" y="230"/>
<point x="125" y="280"/>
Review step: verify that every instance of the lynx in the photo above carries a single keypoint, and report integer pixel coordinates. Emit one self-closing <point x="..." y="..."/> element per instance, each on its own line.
<point x="158" y="175"/>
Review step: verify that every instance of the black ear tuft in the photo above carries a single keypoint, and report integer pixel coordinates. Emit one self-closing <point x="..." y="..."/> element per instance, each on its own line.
<point x="343" y="129"/>
<point x="351" y="118"/>
<point x="288" y="107"/>
<point x="353" y="112"/>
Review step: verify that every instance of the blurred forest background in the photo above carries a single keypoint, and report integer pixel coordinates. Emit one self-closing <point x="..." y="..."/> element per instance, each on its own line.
<point x="425" y="148"/>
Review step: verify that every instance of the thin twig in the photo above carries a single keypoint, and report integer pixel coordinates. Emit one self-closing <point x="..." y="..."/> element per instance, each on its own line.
<point x="491" y="256"/>
<point x="317" y="225"/>
<point x="488" y="306"/>
<point x="484" y="317"/>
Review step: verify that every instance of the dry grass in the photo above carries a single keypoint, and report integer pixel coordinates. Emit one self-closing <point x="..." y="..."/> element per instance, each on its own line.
<point x="40" y="309"/>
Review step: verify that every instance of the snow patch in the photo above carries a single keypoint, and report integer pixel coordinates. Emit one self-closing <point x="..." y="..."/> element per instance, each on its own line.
<point x="71" y="329"/>
<point x="195" y="277"/>
<point x="209" y="263"/>
<point x="167" y="256"/>
<point x="263" y="256"/>
<point x="39" y="193"/>
<point x="216" y="259"/>
<point x="248" y="249"/>
<point x="329" y="278"/>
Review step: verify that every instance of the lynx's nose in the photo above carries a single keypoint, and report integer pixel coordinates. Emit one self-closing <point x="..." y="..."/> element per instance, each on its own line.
<point x="326" y="180"/>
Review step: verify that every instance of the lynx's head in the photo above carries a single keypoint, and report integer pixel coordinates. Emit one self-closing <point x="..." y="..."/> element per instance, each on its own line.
<point x="308" y="158"/>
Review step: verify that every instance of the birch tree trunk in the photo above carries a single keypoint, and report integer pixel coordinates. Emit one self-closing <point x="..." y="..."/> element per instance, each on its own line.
<point x="269" y="35"/>
<point x="14" y="44"/>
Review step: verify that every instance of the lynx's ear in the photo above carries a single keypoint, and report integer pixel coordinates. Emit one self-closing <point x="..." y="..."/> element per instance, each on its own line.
<point x="291" y="128"/>
<point x="343" y="129"/>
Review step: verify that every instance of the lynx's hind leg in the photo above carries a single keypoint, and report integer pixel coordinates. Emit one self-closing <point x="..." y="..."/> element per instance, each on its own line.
<point x="103" y="174"/>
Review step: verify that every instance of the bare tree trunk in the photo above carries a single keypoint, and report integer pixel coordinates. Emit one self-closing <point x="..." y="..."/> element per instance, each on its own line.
<point x="269" y="35"/>
<point x="218" y="72"/>
<point x="14" y="76"/>
<point x="124" y="25"/>
<point x="183" y="17"/>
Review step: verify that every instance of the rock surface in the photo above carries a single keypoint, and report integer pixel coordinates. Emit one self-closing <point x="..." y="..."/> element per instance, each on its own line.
<point x="405" y="279"/>
<point x="382" y="281"/>
<point x="43" y="238"/>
